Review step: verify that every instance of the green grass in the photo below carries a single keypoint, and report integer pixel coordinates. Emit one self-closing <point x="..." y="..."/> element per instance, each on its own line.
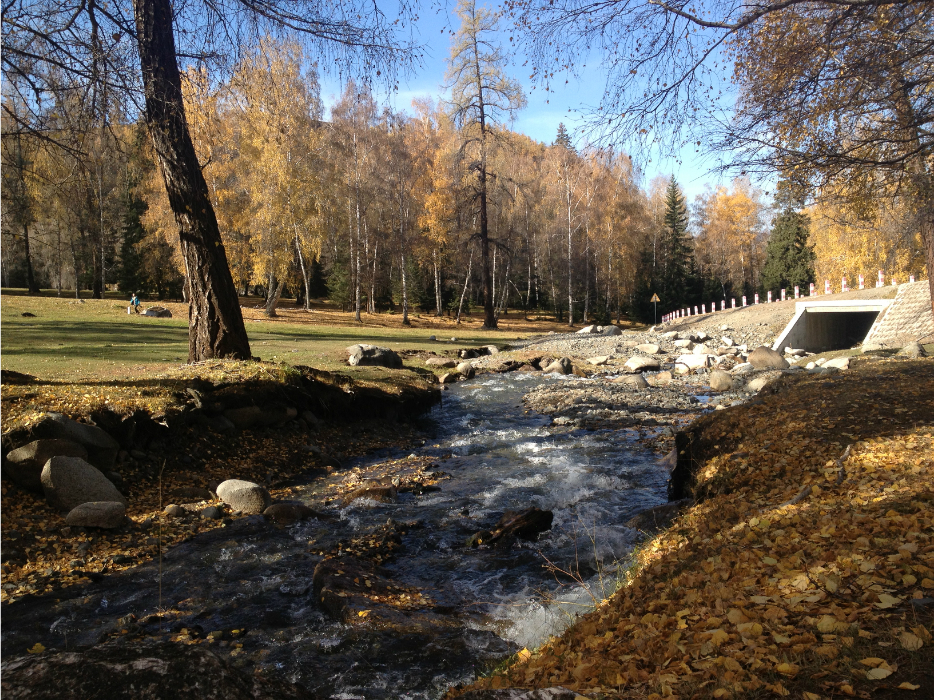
<point x="97" y="338"/>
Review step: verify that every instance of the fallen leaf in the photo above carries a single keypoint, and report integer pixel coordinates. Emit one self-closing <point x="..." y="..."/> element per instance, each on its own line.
<point x="36" y="648"/>
<point x="908" y="686"/>
<point x="887" y="601"/>
<point x="877" y="674"/>
<point x="910" y="641"/>
<point x="787" y="669"/>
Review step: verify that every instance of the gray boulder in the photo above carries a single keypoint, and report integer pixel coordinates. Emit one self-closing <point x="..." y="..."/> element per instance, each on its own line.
<point x="647" y="348"/>
<point x="106" y="514"/>
<point x="244" y="496"/>
<point x="761" y="381"/>
<point x="70" y="481"/>
<point x="660" y="379"/>
<point x="838" y="363"/>
<point x="157" y="312"/>
<point x="766" y="358"/>
<point x="635" y="381"/>
<point x="24" y="465"/>
<point x="589" y="329"/>
<point x="363" y="354"/>
<point x="466" y="370"/>
<point x="912" y="350"/>
<point x="448" y="378"/>
<point x="102" y="448"/>
<point x="641" y="363"/>
<point x="612" y="330"/>
<point x="491" y="350"/>
<point x="686" y="343"/>
<point x="720" y="380"/>
<point x="562" y="366"/>
<point x="440" y="362"/>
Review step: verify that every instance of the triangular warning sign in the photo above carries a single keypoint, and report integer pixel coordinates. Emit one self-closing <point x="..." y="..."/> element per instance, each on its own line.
<point x="655" y="298"/>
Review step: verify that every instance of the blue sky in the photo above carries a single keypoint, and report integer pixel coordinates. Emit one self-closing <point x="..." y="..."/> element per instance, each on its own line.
<point x="545" y="110"/>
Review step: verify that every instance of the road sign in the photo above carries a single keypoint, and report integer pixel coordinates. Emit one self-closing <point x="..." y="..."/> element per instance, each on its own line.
<point x="655" y="298"/>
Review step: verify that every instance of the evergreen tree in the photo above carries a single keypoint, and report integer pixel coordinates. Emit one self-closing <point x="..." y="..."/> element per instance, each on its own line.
<point x="677" y="254"/>
<point x="789" y="260"/>
<point x="563" y="138"/>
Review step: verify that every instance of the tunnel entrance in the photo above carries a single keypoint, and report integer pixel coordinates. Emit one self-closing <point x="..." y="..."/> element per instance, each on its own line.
<point x="824" y="326"/>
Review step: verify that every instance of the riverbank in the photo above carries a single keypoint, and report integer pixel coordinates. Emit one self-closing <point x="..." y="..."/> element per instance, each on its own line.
<point x="803" y="568"/>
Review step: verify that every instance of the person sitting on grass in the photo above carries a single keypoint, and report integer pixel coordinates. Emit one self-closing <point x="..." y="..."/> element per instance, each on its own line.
<point x="134" y="302"/>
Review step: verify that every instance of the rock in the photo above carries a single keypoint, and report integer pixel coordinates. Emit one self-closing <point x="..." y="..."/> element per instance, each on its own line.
<point x="244" y="496"/>
<point x="766" y="358"/>
<point x="311" y="419"/>
<point x="660" y="379"/>
<point x="380" y="494"/>
<point x="466" y="370"/>
<point x="106" y="514"/>
<point x="636" y="381"/>
<point x="912" y="350"/>
<point x="468" y="354"/>
<point x="599" y="360"/>
<point x="448" y="378"/>
<point x="588" y="329"/>
<point x="795" y="352"/>
<point x="244" y="418"/>
<point x="684" y="343"/>
<point x="491" y="350"/>
<point x="363" y="354"/>
<point x="837" y="363"/>
<point x="155" y="671"/>
<point x="641" y="363"/>
<point x="612" y="330"/>
<point x="873" y="347"/>
<point x="687" y="363"/>
<point x="743" y="368"/>
<point x="647" y="349"/>
<point x="727" y="341"/>
<point x="720" y="380"/>
<point x="658" y="518"/>
<point x="562" y="366"/>
<point x="630" y="343"/>
<point x="70" y="481"/>
<point x="670" y="335"/>
<point x="440" y="362"/>
<point x="760" y="382"/>
<point x="175" y="511"/>
<point x="102" y="448"/>
<point x="291" y="513"/>
<point x="24" y="465"/>
<point x="702" y="349"/>
<point x="525" y="525"/>
<point x="700" y="336"/>
<point x="157" y="312"/>
<point x="810" y="365"/>
<point x="212" y="513"/>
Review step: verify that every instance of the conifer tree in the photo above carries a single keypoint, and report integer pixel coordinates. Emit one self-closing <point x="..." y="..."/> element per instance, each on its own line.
<point x="563" y="138"/>
<point x="789" y="260"/>
<point x="677" y="251"/>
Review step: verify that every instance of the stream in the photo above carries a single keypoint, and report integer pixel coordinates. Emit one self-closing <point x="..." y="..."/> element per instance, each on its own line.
<point x="247" y="588"/>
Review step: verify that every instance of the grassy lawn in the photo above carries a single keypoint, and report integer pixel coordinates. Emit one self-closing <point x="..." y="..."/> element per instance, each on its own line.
<point x="69" y="339"/>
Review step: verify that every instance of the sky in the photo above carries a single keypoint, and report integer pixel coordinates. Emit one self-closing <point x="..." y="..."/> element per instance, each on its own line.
<point x="545" y="110"/>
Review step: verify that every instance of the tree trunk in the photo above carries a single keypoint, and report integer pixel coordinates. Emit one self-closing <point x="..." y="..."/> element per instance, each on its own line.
<point x="215" y="323"/>
<point x="405" y="293"/>
<point x="439" y="311"/>
<point x="306" y="274"/>
<point x="275" y="293"/>
<point x="460" y="307"/>
<point x="31" y="286"/>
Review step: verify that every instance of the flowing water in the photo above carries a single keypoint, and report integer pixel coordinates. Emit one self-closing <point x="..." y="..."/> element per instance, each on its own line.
<point x="257" y="579"/>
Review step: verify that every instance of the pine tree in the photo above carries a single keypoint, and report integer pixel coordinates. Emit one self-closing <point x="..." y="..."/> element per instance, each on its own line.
<point x="677" y="253"/>
<point x="789" y="260"/>
<point x="563" y="138"/>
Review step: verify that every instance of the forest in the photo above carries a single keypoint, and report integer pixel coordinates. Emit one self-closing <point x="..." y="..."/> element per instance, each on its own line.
<point x="438" y="209"/>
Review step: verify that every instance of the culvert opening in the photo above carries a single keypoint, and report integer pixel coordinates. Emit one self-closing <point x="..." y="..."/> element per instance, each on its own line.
<point x="825" y="326"/>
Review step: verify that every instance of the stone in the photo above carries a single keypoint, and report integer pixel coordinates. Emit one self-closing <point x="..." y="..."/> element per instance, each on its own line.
<point x="105" y="514"/>
<point x="702" y="349"/>
<point x="700" y="336"/>
<point x="24" y="464"/>
<point x="588" y="329"/>
<point x="157" y="312"/>
<point x="212" y="513"/>
<point x="687" y="363"/>
<point x="466" y="370"/>
<point x="670" y="335"/>
<point x="144" y="672"/>
<point x="810" y="365"/>
<point x="837" y="363"/>
<point x="720" y="380"/>
<point x="612" y="330"/>
<point x="795" y="352"/>
<point x="599" y="360"/>
<point x="562" y="366"/>
<point x="641" y="363"/>
<point x="766" y="358"/>
<point x="913" y="351"/>
<point x="636" y="381"/>
<point x="380" y="494"/>
<point x="491" y="350"/>
<point x="431" y="337"/>
<point x="311" y="419"/>
<point x="467" y="354"/>
<point x="175" y="511"/>
<point x="661" y="378"/>
<point x="727" y="341"/>
<point x="760" y="382"/>
<point x="70" y="481"/>
<point x="648" y="349"/>
<point x="448" y="378"/>
<point x="443" y="362"/>
<point x="525" y="525"/>
<point x="742" y="368"/>
<point x="102" y="447"/>
<point x="244" y="496"/>
<point x="291" y="513"/>
<point x="686" y="343"/>
<point x="372" y="355"/>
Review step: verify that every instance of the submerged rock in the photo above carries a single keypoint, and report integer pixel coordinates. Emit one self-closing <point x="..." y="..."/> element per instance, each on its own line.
<point x="525" y="525"/>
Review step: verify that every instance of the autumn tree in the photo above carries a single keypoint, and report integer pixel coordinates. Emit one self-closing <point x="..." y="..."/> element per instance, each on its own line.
<point x="481" y="97"/>
<point x="18" y="191"/>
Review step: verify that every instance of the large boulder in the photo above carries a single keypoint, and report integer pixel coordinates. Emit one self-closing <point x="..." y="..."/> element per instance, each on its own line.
<point x="635" y="381"/>
<point x="120" y="671"/>
<point x="766" y="358"/>
<point x="612" y="330"/>
<point x="562" y="366"/>
<point x="647" y="348"/>
<point x="244" y="496"/>
<point x="106" y="514"/>
<point x="589" y="329"/>
<point x="466" y="370"/>
<point x="641" y="363"/>
<point x="70" y="481"/>
<point x="363" y="354"/>
<point x="525" y="525"/>
<point x="912" y="350"/>
<point x="24" y="465"/>
<point x="688" y="363"/>
<point x="443" y="362"/>
<point x="157" y="312"/>
<point x="838" y="363"/>
<point x="686" y="343"/>
<point x="102" y="448"/>
<point x="720" y="380"/>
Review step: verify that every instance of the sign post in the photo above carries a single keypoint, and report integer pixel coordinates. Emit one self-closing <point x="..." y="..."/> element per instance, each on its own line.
<point x="655" y="301"/>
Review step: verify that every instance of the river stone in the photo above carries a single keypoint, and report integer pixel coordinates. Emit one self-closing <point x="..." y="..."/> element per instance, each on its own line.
<point x="444" y="362"/>
<point x="660" y="379"/>
<point x="70" y="481"/>
<point x="743" y="368"/>
<point x="588" y="329"/>
<point x="155" y="671"/>
<point x="174" y="511"/>
<point x="157" y="312"/>
<point x="102" y="448"/>
<point x="669" y="335"/>
<point x="687" y="363"/>
<point x="684" y="343"/>
<point x="562" y="366"/>
<point x="525" y="525"/>
<point x="760" y="382"/>
<point x="491" y="349"/>
<point x="636" y="381"/>
<point x="380" y="494"/>
<point x="466" y="370"/>
<point x="612" y="330"/>
<point x="24" y="465"/>
<point x="106" y="514"/>
<point x="212" y="513"/>
<point x="467" y="354"/>
<point x="641" y="363"/>
<point x="701" y="349"/>
<point x="448" y="378"/>
<point x="766" y="358"/>
<point x="599" y="360"/>
<point x="720" y="380"/>
<point x="647" y="348"/>
<point x="838" y="363"/>
<point x="291" y="513"/>
<point x="364" y="354"/>
<point x="244" y="496"/>
<point x="727" y="341"/>
<point x="912" y="350"/>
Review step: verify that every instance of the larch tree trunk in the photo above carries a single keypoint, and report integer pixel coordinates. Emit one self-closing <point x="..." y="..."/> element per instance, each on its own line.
<point x="31" y="286"/>
<point x="215" y="323"/>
